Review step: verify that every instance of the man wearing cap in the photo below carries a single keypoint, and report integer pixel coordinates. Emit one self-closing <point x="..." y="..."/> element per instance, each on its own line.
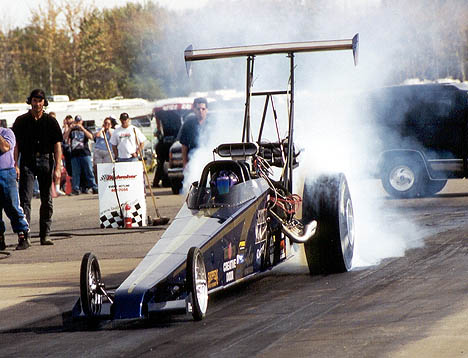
<point x="78" y="137"/>
<point x="123" y="140"/>
<point x="38" y="154"/>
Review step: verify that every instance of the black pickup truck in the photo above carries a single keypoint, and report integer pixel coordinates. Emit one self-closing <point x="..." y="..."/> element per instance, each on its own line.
<point x="423" y="136"/>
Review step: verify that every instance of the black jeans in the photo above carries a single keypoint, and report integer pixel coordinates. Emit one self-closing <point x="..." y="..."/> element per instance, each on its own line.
<point x="162" y="155"/>
<point x="26" y="185"/>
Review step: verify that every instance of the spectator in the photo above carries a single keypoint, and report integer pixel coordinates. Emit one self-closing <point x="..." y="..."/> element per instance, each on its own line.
<point x="113" y="122"/>
<point x="58" y="191"/>
<point x="67" y="122"/>
<point x="124" y="142"/>
<point x="101" y="152"/>
<point x="190" y="130"/>
<point x="38" y="153"/>
<point x="9" y="192"/>
<point x="79" y="136"/>
<point x="168" y="124"/>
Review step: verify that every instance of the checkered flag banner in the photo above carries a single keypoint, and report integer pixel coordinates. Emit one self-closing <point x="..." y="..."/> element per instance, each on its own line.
<point x="112" y="219"/>
<point x="121" y="183"/>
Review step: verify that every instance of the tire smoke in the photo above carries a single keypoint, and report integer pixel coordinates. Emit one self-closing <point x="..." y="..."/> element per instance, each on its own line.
<point x="333" y="128"/>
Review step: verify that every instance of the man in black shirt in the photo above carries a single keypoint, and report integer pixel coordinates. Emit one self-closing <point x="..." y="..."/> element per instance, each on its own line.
<point x="190" y="131"/>
<point x="38" y="153"/>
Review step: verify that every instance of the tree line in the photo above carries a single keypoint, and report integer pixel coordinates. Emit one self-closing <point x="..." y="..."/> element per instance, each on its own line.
<point x="85" y="53"/>
<point x="136" y="50"/>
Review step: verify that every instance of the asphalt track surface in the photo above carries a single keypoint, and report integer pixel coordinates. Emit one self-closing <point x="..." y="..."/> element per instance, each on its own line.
<point x="410" y="306"/>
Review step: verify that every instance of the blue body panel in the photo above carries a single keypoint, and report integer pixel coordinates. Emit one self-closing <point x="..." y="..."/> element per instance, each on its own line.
<point x="227" y="237"/>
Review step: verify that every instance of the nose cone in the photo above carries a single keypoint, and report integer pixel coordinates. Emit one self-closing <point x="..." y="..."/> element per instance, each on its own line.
<point x="129" y="305"/>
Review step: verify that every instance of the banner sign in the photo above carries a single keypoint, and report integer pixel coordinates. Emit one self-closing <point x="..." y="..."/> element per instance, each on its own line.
<point x="130" y="190"/>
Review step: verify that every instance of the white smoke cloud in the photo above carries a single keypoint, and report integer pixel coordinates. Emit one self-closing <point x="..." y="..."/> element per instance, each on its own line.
<point x="333" y="131"/>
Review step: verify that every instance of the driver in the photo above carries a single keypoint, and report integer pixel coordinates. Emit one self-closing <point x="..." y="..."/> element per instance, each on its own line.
<point x="222" y="182"/>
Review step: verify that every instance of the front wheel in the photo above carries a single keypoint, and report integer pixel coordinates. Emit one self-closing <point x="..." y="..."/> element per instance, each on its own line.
<point x="197" y="283"/>
<point x="90" y="281"/>
<point x="328" y="201"/>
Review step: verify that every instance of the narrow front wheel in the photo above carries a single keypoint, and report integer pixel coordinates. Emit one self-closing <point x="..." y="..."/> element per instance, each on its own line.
<point x="197" y="283"/>
<point x="90" y="281"/>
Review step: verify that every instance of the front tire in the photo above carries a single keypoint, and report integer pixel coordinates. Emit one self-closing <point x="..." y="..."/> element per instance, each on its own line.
<point x="90" y="281"/>
<point x="197" y="283"/>
<point x="328" y="201"/>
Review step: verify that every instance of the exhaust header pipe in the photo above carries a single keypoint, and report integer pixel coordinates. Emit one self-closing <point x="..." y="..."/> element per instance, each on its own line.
<point x="296" y="232"/>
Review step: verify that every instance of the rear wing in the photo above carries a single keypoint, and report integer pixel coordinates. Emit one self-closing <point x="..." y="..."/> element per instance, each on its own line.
<point x="268" y="49"/>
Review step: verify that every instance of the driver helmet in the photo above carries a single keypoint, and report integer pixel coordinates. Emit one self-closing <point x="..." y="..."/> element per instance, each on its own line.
<point x="222" y="181"/>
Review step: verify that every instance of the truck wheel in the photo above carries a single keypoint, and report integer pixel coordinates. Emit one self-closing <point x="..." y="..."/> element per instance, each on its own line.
<point x="432" y="187"/>
<point x="197" y="283"/>
<point x="328" y="201"/>
<point x="403" y="178"/>
<point x="166" y="182"/>
<point x="176" y="186"/>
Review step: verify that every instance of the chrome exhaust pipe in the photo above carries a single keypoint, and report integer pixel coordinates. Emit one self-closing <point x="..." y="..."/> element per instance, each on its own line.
<point x="296" y="232"/>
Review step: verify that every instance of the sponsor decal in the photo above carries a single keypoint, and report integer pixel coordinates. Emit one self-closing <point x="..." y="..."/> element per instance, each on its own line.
<point x="240" y="259"/>
<point x="109" y="177"/>
<point x="261" y="227"/>
<point x="248" y="256"/>
<point x="229" y="276"/>
<point x="259" y="253"/>
<point x="213" y="279"/>
<point x="229" y="265"/>
<point x="242" y="245"/>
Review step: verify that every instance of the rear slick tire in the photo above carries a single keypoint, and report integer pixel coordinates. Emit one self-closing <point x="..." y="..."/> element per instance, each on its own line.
<point x="328" y="201"/>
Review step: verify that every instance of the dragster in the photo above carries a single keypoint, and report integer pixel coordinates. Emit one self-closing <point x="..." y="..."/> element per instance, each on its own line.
<point x="237" y="221"/>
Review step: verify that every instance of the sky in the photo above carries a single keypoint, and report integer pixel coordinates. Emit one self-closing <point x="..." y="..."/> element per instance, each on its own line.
<point x="17" y="13"/>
